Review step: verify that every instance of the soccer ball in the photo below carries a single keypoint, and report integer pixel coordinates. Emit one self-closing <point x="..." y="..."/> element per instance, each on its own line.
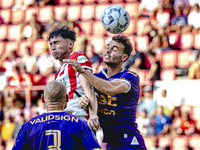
<point x="115" y="19"/>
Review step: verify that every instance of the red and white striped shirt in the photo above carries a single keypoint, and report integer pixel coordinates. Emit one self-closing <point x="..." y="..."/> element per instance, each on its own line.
<point x="69" y="77"/>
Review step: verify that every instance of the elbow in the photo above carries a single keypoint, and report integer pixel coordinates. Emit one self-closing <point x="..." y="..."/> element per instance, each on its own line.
<point x="109" y="92"/>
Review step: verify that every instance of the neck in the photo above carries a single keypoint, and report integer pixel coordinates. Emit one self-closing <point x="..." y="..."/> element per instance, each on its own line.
<point x="55" y="107"/>
<point x="114" y="70"/>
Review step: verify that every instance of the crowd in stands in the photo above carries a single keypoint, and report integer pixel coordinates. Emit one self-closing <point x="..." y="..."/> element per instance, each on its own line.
<point x="167" y="21"/>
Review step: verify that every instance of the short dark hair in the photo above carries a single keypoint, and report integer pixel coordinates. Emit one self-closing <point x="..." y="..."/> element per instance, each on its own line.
<point x="128" y="47"/>
<point x="64" y="31"/>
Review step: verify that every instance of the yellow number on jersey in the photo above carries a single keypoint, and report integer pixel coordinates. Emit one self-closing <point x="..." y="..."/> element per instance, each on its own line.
<point x="56" y="139"/>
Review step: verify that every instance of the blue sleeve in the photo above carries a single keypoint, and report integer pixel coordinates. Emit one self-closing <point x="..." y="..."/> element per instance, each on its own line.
<point x="89" y="141"/>
<point x="21" y="142"/>
<point x="132" y="79"/>
<point x="168" y="120"/>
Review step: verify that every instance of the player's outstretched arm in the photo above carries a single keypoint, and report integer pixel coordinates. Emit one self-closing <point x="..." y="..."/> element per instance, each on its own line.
<point x="93" y="121"/>
<point x="106" y="87"/>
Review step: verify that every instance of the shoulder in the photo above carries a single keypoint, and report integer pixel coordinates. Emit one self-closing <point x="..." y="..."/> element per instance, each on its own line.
<point x="81" y="57"/>
<point x="130" y="75"/>
<point x="76" y="54"/>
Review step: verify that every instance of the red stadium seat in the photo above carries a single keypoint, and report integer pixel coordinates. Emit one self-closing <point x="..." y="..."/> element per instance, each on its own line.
<point x="186" y="41"/>
<point x="61" y="2"/>
<point x="22" y="46"/>
<point x="3" y="32"/>
<point x="97" y="28"/>
<point x="14" y="32"/>
<point x="142" y="73"/>
<point x="194" y="142"/>
<point x="26" y="31"/>
<point x="37" y="79"/>
<point x="182" y="59"/>
<point x="10" y="46"/>
<point x="168" y="59"/>
<point x="6" y="4"/>
<point x="5" y="15"/>
<point x="17" y="16"/>
<point x="2" y="48"/>
<point x="131" y="1"/>
<point x="44" y="14"/>
<point x="87" y="12"/>
<point x="98" y="44"/>
<point x="164" y="141"/>
<point x="88" y="1"/>
<point x="59" y="10"/>
<point x="38" y="46"/>
<point x="76" y="12"/>
<point x="131" y="28"/>
<point x="131" y="38"/>
<point x="86" y="26"/>
<point x="29" y="12"/>
<point x="107" y="40"/>
<point x="141" y="24"/>
<point x="196" y="43"/>
<point x="116" y="2"/>
<point x="174" y="40"/>
<point x="74" y="2"/>
<point x="132" y="9"/>
<point x="149" y="141"/>
<point x="102" y="1"/>
<point x="142" y="43"/>
<point x="179" y="142"/>
<point x="168" y="74"/>
<point x="98" y="10"/>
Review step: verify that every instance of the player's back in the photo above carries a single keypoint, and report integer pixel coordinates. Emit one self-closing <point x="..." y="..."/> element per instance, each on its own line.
<point x="55" y="130"/>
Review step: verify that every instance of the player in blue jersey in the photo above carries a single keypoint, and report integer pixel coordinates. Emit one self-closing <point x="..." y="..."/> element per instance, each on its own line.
<point x="55" y="129"/>
<point x="118" y="93"/>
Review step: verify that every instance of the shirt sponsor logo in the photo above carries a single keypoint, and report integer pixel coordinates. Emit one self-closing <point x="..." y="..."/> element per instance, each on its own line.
<point x="82" y="59"/>
<point x="134" y="141"/>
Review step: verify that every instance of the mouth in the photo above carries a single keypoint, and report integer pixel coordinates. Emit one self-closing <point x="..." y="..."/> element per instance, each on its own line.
<point x="106" y="56"/>
<point x="55" y="53"/>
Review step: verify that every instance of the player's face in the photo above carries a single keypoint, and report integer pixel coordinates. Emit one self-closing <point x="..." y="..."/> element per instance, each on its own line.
<point x="60" y="48"/>
<point x="113" y="54"/>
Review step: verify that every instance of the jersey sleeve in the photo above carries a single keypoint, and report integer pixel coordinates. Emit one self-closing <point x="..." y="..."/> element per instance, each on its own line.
<point x="21" y="142"/>
<point x="84" y="61"/>
<point x="89" y="141"/>
<point x="130" y="78"/>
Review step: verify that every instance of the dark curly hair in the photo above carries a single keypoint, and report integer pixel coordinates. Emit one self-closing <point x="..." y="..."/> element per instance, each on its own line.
<point x="128" y="47"/>
<point x="64" y="31"/>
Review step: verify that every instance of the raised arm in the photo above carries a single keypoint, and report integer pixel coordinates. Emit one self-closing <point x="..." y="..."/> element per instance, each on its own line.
<point x="106" y="87"/>
<point x="93" y="121"/>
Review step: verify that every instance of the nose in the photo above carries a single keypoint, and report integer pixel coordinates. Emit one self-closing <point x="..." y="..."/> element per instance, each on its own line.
<point x="108" y="50"/>
<point x="53" y="47"/>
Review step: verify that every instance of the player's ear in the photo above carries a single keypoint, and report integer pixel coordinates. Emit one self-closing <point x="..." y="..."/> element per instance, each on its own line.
<point x="42" y="97"/>
<point x="71" y="44"/>
<point x="124" y="57"/>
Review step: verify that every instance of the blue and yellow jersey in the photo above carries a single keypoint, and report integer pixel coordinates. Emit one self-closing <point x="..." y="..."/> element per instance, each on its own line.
<point x="55" y="131"/>
<point x="117" y="113"/>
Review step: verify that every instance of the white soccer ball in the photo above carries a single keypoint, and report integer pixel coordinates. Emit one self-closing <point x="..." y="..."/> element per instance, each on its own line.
<point x="115" y="19"/>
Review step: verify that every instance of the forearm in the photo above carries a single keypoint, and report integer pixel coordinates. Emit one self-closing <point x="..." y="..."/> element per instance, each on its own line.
<point x="89" y="92"/>
<point x="100" y="84"/>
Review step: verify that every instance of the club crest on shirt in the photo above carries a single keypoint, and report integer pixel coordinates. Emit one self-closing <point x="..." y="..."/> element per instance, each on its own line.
<point x="81" y="59"/>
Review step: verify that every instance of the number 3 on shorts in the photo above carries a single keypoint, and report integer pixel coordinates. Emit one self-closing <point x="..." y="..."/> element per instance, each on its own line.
<point x="56" y="139"/>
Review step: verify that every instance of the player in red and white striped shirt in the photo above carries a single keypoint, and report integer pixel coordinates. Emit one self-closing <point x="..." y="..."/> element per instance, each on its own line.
<point x="61" y="43"/>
